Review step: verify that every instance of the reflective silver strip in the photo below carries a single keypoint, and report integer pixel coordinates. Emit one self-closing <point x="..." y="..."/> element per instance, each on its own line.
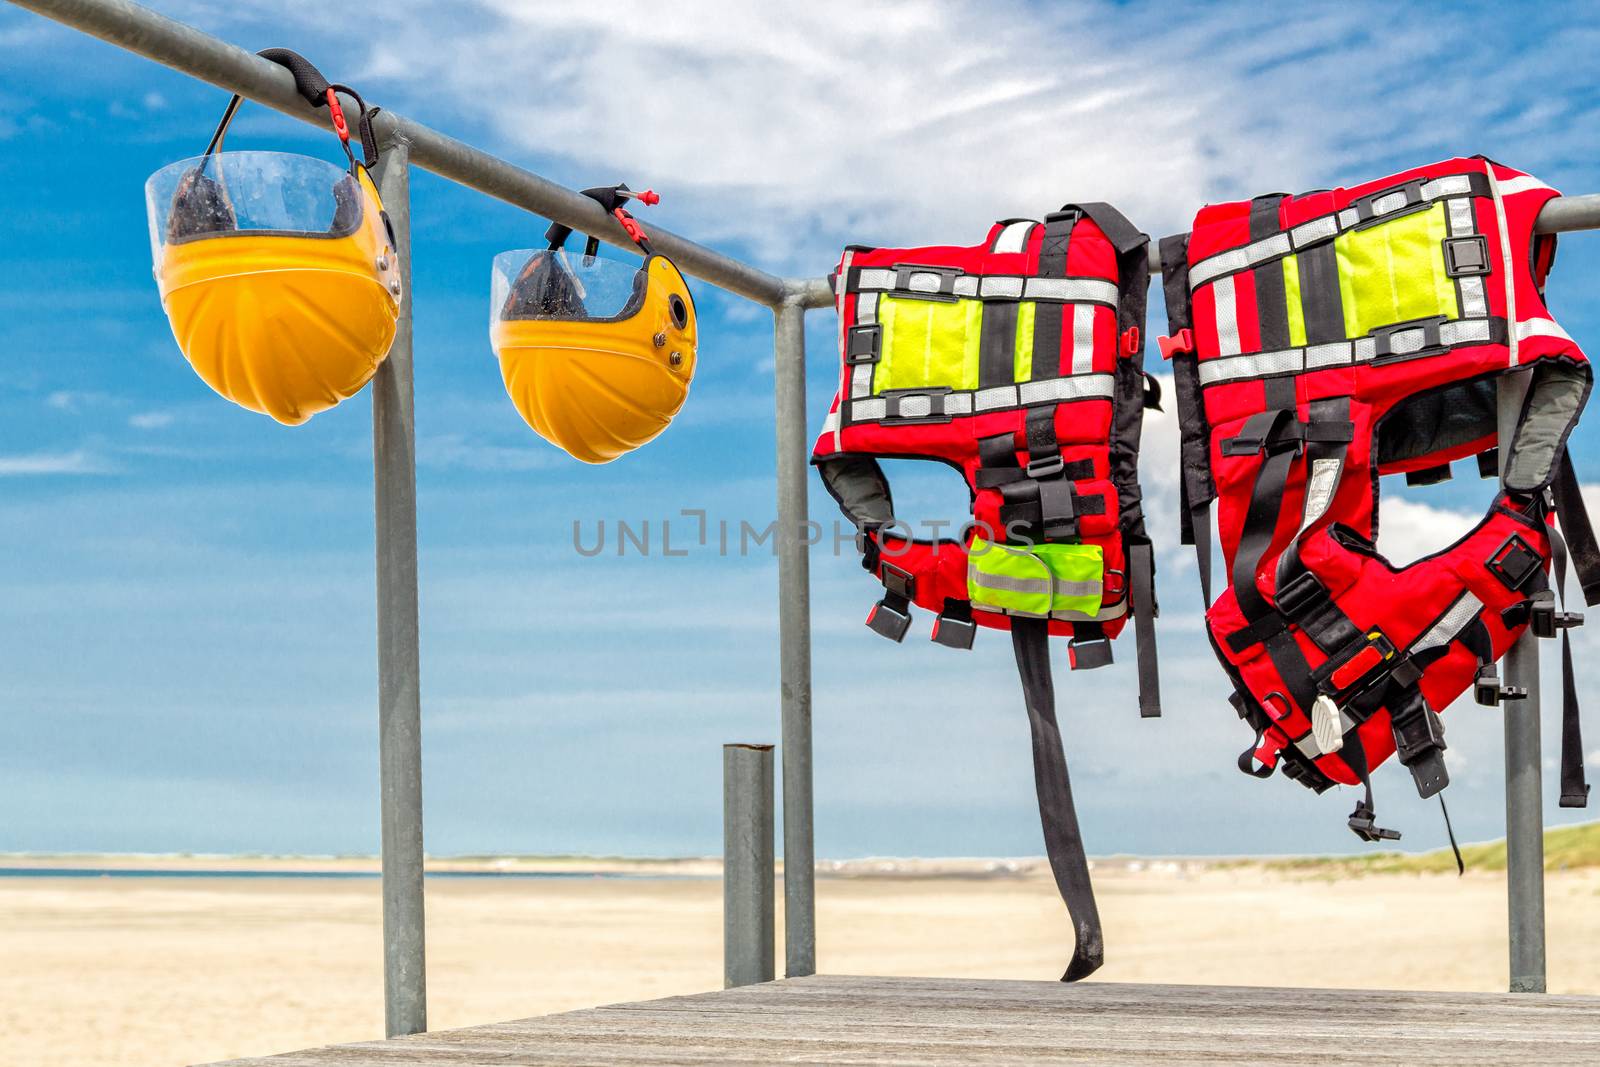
<point x="839" y="401"/>
<point x="994" y="287"/>
<point x="1505" y="258"/>
<point x="867" y="309"/>
<point x="1227" y="317"/>
<point x="1082" y="338"/>
<point x="1450" y="625"/>
<point x="1315" y="231"/>
<point x="1106" y="613"/>
<point x="1014" y="238"/>
<point x="1541" y="328"/>
<point x="1069" y="290"/>
<point x="868" y="410"/>
<point x="861" y="380"/>
<point x="1460" y="217"/>
<point x="999" y="286"/>
<point x="1077" y="387"/>
<point x="1339" y="353"/>
<point x="1527" y="183"/>
<point x="1474" y="302"/>
<point x="1036" y="586"/>
<point x="1319" y="489"/>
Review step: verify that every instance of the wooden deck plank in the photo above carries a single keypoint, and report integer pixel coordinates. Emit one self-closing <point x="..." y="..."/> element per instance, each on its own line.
<point x="863" y="1020"/>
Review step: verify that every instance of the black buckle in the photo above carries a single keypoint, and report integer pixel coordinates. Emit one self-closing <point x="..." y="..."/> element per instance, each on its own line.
<point x="947" y="282"/>
<point x="953" y="632"/>
<point x="1543" y="618"/>
<point x="1487" y="690"/>
<point x="1432" y="341"/>
<point x="888" y="621"/>
<point x="898" y="580"/>
<point x="1301" y="596"/>
<point x="1370" y="655"/>
<point x="895" y="400"/>
<point x="1366" y="216"/>
<point x="1361" y="823"/>
<point x="1514" y="562"/>
<point x="862" y="345"/>
<point x="1045" y="466"/>
<point x="1087" y="654"/>
<point x="1465" y="256"/>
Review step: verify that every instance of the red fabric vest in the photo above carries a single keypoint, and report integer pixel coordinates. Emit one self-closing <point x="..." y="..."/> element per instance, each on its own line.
<point x="1320" y="341"/>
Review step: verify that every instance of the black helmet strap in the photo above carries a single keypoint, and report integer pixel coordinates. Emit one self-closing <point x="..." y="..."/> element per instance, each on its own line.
<point x="318" y="92"/>
<point x="611" y="199"/>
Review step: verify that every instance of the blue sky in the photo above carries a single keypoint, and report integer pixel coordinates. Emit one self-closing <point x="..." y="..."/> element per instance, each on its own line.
<point x="186" y="628"/>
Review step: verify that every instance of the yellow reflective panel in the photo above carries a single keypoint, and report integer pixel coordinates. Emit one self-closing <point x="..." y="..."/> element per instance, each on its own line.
<point x="1395" y="272"/>
<point x="1036" y="580"/>
<point x="928" y="343"/>
<point x="1291" y="300"/>
<point x="1023" y="361"/>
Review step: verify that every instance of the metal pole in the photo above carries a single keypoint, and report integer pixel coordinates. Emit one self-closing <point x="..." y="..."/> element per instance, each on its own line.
<point x="747" y="874"/>
<point x="1524" y="785"/>
<point x="186" y="49"/>
<point x="405" y="996"/>
<point x="794" y="641"/>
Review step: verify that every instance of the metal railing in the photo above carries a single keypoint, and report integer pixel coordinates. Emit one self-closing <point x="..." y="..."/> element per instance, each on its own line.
<point x="406" y="144"/>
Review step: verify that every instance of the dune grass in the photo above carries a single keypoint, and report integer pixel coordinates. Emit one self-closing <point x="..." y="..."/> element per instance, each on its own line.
<point x="1565" y="848"/>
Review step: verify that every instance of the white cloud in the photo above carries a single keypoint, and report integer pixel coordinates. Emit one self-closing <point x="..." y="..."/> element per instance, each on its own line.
<point x="44" y="463"/>
<point x="799" y="127"/>
<point x="151" y="420"/>
<point x="447" y="451"/>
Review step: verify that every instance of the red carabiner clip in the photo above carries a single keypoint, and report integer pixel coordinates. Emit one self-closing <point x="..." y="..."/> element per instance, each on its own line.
<point x="339" y="125"/>
<point x="631" y="225"/>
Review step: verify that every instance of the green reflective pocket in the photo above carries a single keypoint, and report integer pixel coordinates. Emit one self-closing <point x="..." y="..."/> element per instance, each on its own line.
<point x="1036" y="580"/>
<point x="1395" y="272"/>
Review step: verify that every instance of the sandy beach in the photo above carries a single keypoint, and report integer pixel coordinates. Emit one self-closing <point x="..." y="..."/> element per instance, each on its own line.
<point x="162" y="971"/>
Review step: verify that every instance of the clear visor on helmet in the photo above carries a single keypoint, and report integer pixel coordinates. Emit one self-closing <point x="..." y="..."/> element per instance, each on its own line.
<point x="250" y="192"/>
<point x="565" y="284"/>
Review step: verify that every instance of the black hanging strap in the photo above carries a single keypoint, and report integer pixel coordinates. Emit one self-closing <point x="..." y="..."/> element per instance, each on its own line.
<point x="1063" y="842"/>
<point x="1450" y="832"/>
<point x="1576" y="529"/>
<point x="1574" y="782"/>
<point x="1196" y="489"/>
<point x="1142" y="594"/>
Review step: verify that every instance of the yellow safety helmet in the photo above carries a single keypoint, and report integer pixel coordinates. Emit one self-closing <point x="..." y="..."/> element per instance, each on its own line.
<point x="278" y="272"/>
<point x="597" y="354"/>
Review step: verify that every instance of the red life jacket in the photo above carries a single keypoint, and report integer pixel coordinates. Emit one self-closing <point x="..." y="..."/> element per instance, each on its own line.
<point x="1018" y="362"/>
<point x="1320" y="341"/>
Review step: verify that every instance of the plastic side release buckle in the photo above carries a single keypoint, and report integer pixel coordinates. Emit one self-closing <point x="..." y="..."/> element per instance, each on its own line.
<point x="1180" y="343"/>
<point x="1487" y="690"/>
<point x="1362" y="825"/>
<point x="1132" y="341"/>
<point x="888" y="621"/>
<point x="953" y="632"/>
<point x="1088" y="654"/>
<point x="1543" y="618"/>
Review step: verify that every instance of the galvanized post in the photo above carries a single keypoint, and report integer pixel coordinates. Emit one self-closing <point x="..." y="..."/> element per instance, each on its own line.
<point x="794" y="640"/>
<point x="747" y="866"/>
<point x="405" y="998"/>
<point x="1524" y="776"/>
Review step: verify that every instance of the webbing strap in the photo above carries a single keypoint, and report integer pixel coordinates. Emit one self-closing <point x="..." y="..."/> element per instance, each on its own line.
<point x="1049" y="318"/>
<point x="997" y="344"/>
<point x="1058" y="816"/>
<point x="1195" y="487"/>
<point x="1574" y="783"/>
<point x="1272" y="306"/>
<point x="1142" y="591"/>
<point x="1576" y="528"/>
